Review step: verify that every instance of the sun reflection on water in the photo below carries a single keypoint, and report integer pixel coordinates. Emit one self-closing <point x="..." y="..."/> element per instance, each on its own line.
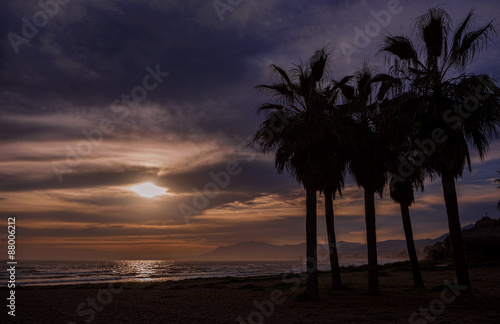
<point x="144" y="270"/>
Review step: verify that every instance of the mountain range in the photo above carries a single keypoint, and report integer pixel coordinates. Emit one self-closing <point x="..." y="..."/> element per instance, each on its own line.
<point x="261" y="251"/>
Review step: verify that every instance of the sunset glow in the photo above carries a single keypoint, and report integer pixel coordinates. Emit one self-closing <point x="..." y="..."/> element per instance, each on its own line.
<point x="154" y="124"/>
<point x="148" y="190"/>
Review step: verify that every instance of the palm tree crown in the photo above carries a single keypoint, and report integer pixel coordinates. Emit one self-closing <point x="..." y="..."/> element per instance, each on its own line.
<point x="363" y="93"/>
<point x="305" y="131"/>
<point x="307" y="121"/>
<point x="447" y="111"/>
<point x="441" y="94"/>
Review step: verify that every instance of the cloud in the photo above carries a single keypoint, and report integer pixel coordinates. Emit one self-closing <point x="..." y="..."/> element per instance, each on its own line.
<point x="120" y="176"/>
<point x="62" y="83"/>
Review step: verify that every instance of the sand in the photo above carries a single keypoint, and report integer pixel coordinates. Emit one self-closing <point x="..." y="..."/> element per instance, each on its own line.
<point x="237" y="300"/>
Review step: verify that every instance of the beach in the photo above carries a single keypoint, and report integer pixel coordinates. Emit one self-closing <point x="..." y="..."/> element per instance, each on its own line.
<point x="266" y="299"/>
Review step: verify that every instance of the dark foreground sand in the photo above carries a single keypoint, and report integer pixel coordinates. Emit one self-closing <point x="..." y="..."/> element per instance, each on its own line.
<point x="223" y="300"/>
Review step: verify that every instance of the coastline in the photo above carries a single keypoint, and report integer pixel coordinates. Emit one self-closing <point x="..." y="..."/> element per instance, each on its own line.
<point x="274" y="299"/>
<point x="52" y="273"/>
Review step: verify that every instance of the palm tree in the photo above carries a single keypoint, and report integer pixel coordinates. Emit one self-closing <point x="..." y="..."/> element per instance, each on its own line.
<point x="497" y="181"/>
<point x="332" y="241"/>
<point x="402" y="193"/>
<point x="400" y="142"/>
<point x="299" y="128"/>
<point x="363" y="93"/>
<point x="334" y="182"/>
<point x="449" y="110"/>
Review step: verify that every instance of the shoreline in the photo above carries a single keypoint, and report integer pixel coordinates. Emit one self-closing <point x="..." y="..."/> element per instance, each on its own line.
<point x="396" y="265"/>
<point x="275" y="297"/>
<point x="295" y="267"/>
<point x="346" y="267"/>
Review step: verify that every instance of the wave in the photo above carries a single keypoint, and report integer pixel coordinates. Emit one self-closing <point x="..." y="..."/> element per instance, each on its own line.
<point x="32" y="273"/>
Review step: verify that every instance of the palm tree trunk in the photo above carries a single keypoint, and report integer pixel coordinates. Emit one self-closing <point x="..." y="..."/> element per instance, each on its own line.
<point x="371" y="242"/>
<point x="450" y="199"/>
<point x="332" y="242"/>
<point x="311" y="245"/>
<point x="410" y="246"/>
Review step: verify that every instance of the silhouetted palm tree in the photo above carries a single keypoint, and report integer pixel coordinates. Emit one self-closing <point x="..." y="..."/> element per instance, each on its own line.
<point x="447" y="112"/>
<point x="497" y="181"/>
<point x="400" y="143"/>
<point x="299" y="128"/>
<point x="402" y="193"/>
<point x="363" y="92"/>
<point x="332" y="241"/>
<point x="334" y="182"/>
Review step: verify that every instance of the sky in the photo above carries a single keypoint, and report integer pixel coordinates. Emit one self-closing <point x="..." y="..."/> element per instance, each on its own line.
<point x="99" y="96"/>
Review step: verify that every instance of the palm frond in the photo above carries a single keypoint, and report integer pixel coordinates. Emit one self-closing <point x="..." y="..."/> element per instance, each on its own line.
<point x="404" y="53"/>
<point x="344" y="87"/>
<point x="433" y="28"/>
<point x="306" y="141"/>
<point x="462" y="27"/>
<point x="435" y="18"/>
<point x="282" y="73"/>
<point x="318" y="64"/>
<point x="472" y="44"/>
<point x="270" y="106"/>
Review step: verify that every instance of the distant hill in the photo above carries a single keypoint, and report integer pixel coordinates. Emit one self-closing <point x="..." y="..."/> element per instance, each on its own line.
<point x="253" y="251"/>
<point x="442" y="237"/>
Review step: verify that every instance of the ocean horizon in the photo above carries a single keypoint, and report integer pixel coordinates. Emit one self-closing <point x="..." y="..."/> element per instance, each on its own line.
<point x="37" y="273"/>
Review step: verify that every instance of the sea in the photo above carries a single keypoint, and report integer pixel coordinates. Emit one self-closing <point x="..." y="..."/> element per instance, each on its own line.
<point x="36" y="273"/>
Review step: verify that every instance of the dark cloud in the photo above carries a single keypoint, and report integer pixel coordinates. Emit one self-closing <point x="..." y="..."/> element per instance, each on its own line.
<point x="33" y="130"/>
<point x="231" y="232"/>
<point x="255" y="177"/>
<point x="121" y="175"/>
<point x="93" y="52"/>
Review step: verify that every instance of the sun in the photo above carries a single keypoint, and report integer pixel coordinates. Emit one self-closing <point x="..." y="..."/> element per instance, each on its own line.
<point x="148" y="190"/>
